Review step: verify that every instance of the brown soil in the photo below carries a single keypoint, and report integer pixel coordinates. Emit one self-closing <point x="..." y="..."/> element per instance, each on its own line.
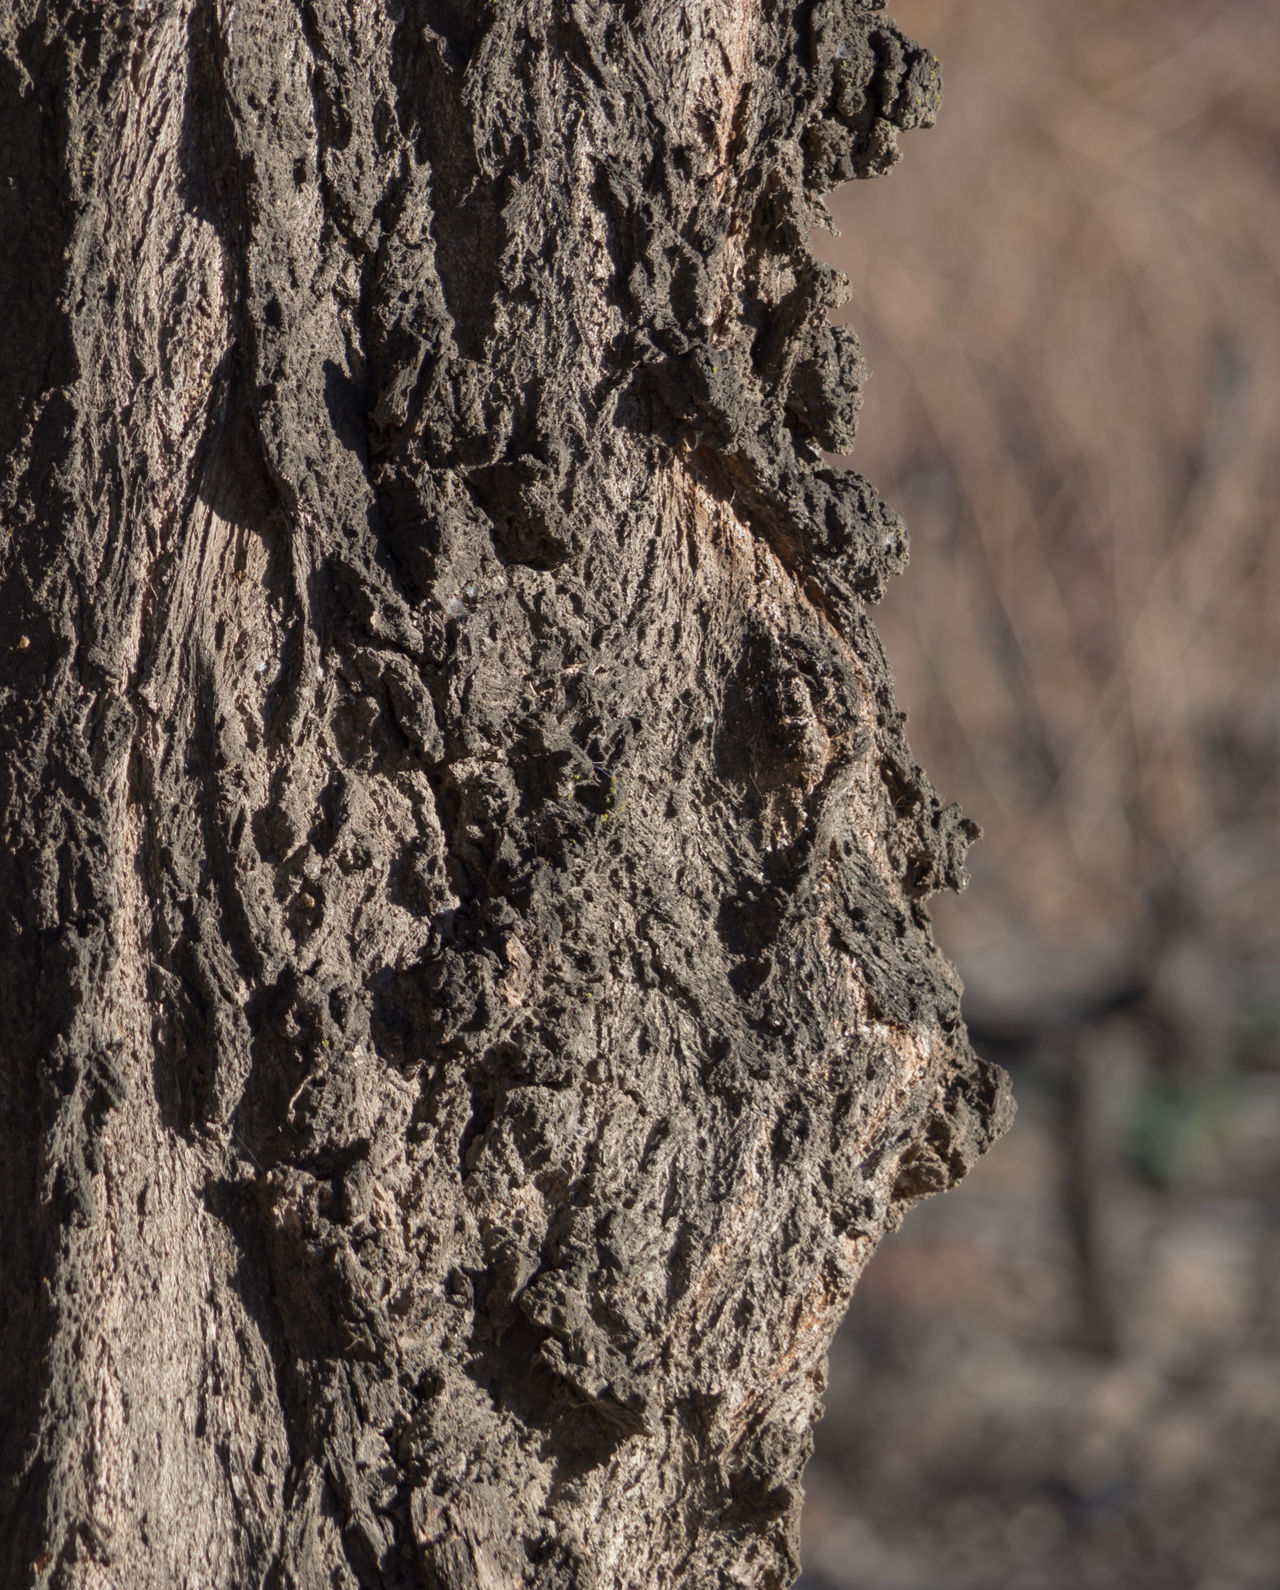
<point x="971" y="1443"/>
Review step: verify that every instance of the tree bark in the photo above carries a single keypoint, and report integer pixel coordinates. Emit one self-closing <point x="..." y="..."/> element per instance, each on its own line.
<point x="470" y="1009"/>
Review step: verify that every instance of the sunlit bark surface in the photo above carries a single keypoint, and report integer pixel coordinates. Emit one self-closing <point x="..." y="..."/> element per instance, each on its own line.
<point x="469" y="1010"/>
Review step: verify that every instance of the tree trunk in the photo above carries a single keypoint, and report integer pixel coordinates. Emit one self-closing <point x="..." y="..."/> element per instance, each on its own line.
<point x="470" y="1007"/>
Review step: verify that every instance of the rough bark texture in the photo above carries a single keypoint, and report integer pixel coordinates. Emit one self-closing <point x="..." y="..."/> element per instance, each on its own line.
<point x="470" y="1011"/>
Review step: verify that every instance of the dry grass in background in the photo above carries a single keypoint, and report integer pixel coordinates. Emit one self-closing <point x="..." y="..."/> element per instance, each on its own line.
<point x="1070" y="297"/>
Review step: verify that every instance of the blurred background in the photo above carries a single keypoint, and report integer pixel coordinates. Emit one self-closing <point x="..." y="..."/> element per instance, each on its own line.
<point x="1067" y="1372"/>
